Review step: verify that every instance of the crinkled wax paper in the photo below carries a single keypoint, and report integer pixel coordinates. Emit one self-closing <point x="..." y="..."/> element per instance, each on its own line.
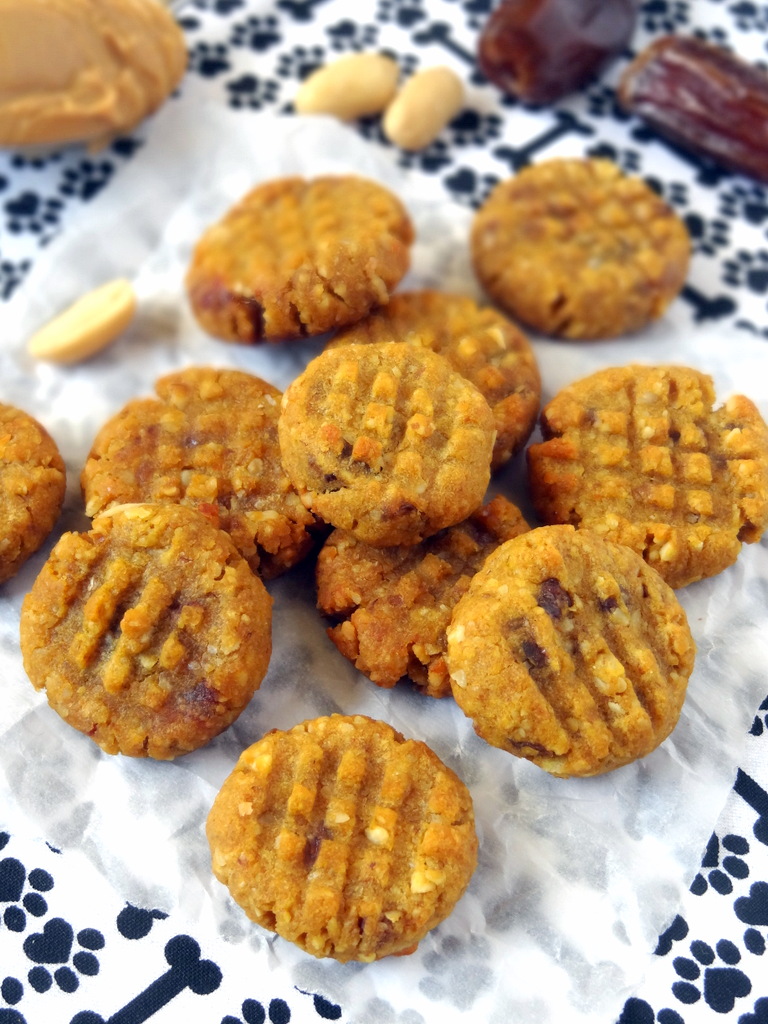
<point x="576" y="878"/>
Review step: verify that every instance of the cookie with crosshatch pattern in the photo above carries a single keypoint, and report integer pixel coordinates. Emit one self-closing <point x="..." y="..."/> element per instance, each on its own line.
<point x="32" y="486"/>
<point x="208" y="440"/>
<point x="387" y="441"/>
<point x="299" y="256"/>
<point x="393" y="605"/>
<point x="570" y="651"/>
<point x="478" y="341"/>
<point x="344" y="837"/>
<point x="149" y="633"/>
<point x="641" y="455"/>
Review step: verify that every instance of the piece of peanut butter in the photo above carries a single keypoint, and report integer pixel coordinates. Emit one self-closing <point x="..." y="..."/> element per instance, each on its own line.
<point x="83" y="70"/>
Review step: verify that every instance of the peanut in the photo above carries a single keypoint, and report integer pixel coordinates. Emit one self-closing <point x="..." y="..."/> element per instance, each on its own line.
<point x="423" y="107"/>
<point x="87" y="326"/>
<point x="357" y="85"/>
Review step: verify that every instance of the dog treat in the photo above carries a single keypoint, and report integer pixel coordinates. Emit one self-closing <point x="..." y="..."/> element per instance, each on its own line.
<point x="344" y="837"/>
<point x="208" y="440"/>
<point x="386" y="441"/>
<point x="149" y="633"/>
<point x="640" y="455"/>
<point x="89" y="325"/>
<point x="426" y="103"/>
<point x="704" y="98"/>
<point x="395" y="603"/>
<point x="298" y="257"/>
<point x="355" y="85"/>
<point x="478" y="341"/>
<point x="570" y="651"/>
<point x="32" y="485"/>
<point x="576" y="249"/>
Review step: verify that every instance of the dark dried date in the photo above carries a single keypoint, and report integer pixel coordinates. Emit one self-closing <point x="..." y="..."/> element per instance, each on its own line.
<point x="704" y="98"/>
<point x="540" y="50"/>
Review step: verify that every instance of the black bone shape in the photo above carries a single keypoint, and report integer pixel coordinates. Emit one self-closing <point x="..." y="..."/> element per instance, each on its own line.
<point x="706" y="308"/>
<point x="757" y="798"/>
<point x="187" y="970"/>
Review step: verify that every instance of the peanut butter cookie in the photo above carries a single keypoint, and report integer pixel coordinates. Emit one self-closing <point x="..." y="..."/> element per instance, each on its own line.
<point x="209" y="440"/>
<point x="386" y="441"/>
<point x="344" y="837"/>
<point x="570" y="651"/>
<point x="297" y="257"/>
<point x="32" y="485"/>
<point x="576" y="249"/>
<point x="149" y="633"/>
<point x="640" y="455"/>
<point x="395" y="603"/>
<point x="479" y="342"/>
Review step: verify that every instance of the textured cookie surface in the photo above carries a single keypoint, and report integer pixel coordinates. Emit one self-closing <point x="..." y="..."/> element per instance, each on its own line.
<point x="344" y="837"/>
<point x="209" y="441"/>
<point x="576" y="249"/>
<point x="297" y="257"/>
<point x="479" y="342"/>
<point x="149" y="633"/>
<point x="641" y="455"/>
<point x="32" y="485"/>
<point x="395" y="603"/>
<point x="386" y="441"/>
<point x="570" y="651"/>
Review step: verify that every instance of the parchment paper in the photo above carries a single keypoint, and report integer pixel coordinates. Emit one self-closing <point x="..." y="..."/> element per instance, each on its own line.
<point x="576" y="878"/>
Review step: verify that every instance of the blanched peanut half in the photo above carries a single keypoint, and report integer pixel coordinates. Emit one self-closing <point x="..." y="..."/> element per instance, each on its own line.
<point x="423" y="107"/>
<point x="89" y="325"/>
<point x="356" y="85"/>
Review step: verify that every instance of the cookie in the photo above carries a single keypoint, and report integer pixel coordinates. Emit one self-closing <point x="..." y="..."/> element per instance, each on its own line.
<point x="479" y="342"/>
<point x="576" y="249"/>
<point x="640" y="455"/>
<point x="298" y="257"/>
<point x="209" y="441"/>
<point x="149" y="633"/>
<point x="32" y="486"/>
<point x="394" y="604"/>
<point x="343" y="837"/>
<point x="386" y="441"/>
<point x="570" y="651"/>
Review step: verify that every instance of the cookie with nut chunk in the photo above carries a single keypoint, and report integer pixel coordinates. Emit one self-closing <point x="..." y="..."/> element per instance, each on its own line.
<point x="344" y="837"/>
<point x="643" y="456"/>
<point x="386" y="441"/>
<point x="149" y="633"/>
<point x="208" y="440"/>
<point x="32" y="486"/>
<point x="297" y="257"/>
<point x="478" y="341"/>
<point x="393" y="605"/>
<point x="576" y="249"/>
<point x="570" y="651"/>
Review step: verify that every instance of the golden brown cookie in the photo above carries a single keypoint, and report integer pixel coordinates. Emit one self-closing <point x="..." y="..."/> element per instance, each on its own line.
<point x="386" y="441"/>
<point x="344" y="837"/>
<point x="576" y="249"/>
<point x="395" y="603"/>
<point x="149" y="633"/>
<point x="209" y="440"/>
<point x="479" y="342"/>
<point x="32" y="486"/>
<point x="570" y="651"/>
<point x="640" y="455"/>
<point x="297" y="257"/>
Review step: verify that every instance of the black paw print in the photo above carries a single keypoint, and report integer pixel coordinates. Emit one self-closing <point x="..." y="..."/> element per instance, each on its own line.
<point x="745" y="202"/>
<point x="601" y="101"/>
<point x="471" y="128"/>
<point x="300" y="62"/>
<point x="749" y="17"/>
<point x="718" y="873"/>
<point x="720" y="984"/>
<point x="254" y="1013"/>
<point x="432" y="158"/>
<point x="251" y="92"/>
<point x="52" y="946"/>
<point x="628" y="159"/>
<point x="219" y="6"/>
<point x="707" y="236"/>
<point x="11" y="276"/>
<point x="209" y="59"/>
<point x="136" y="922"/>
<point x="468" y="187"/>
<point x="256" y="33"/>
<point x="30" y="212"/>
<point x="300" y="10"/>
<point x="748" y="269"/>
<point x="405" y="13"/>
<point x="351" y="35"/>
<point x="664" y="15"/>
<point x="13" y="881"/>
<point x="86" y="179"/>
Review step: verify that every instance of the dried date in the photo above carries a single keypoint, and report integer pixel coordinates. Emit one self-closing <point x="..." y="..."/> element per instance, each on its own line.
<point x="541" y="50"/>
<point x="704" y="98"/>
